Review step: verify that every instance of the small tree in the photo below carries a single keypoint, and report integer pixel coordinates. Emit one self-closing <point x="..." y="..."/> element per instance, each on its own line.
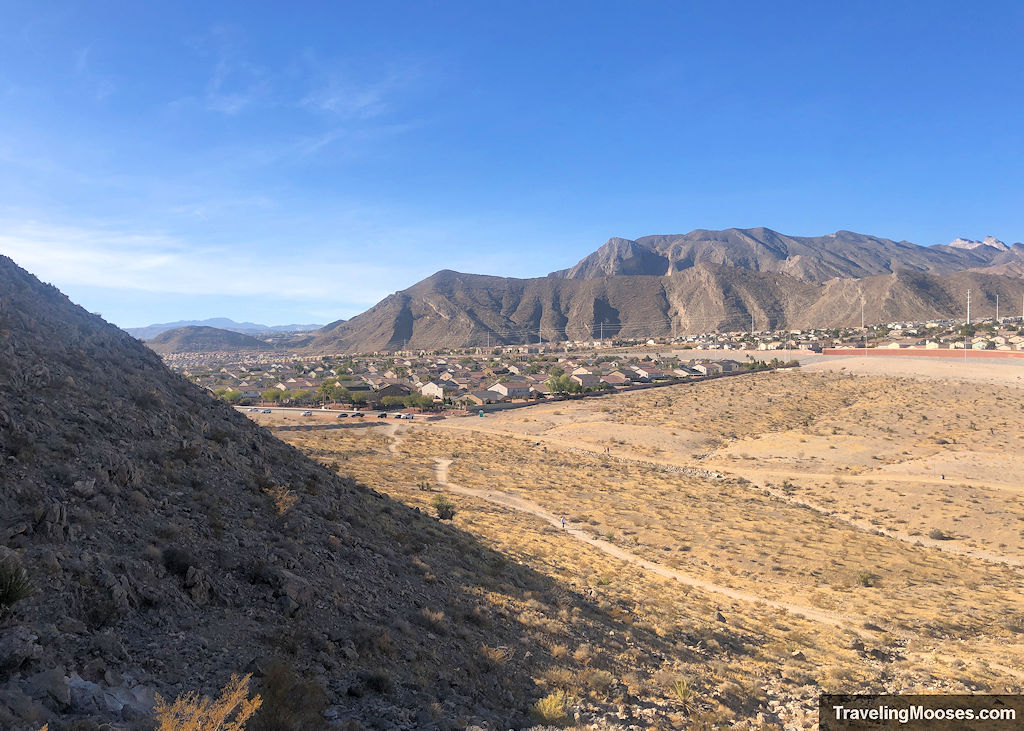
<point x="445" y="508"/>
<point x="273" y="395"/>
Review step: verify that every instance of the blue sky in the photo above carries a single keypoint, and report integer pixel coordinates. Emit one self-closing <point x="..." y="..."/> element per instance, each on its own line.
<point x="276" y="164"/>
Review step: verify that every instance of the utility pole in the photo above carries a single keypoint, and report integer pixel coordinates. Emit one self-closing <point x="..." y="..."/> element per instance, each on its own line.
<point x="966" y="331"/>
<point x="997" y="309"/>
<point x="602" y="333"/>
<point x="864" y="332"/>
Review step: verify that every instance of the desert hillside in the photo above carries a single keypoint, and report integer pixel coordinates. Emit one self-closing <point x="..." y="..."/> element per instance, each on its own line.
<point x="169" y="542"/>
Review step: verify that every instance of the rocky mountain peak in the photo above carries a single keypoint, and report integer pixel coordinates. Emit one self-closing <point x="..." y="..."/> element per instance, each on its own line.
<point x="992" y="241"/>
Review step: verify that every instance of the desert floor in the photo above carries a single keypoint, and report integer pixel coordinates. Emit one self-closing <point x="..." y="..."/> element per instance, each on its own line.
<point x="853" y="525"/>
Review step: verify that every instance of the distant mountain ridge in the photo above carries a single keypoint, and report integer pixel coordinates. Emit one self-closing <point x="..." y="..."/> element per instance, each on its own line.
<point x="199" y="339"/>
<point x="843" y="254"/>
<point x="962" y="243"/>
<point x="249" y="328"/>
<point x="687" y="283"/>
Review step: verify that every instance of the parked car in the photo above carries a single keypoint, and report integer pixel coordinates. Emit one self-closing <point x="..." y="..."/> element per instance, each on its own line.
<point x="342" y="415"/>
<point x="306" y="413"/>
<point x="253" y="409"/>
<point x="382" y="415"/>
<point x="399" y="416"/>
<point x="407" y="416"/>
<point x="266" y="411"/>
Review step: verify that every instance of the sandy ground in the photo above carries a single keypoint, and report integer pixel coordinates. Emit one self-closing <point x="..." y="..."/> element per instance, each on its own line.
<point x="1007" y="372"/>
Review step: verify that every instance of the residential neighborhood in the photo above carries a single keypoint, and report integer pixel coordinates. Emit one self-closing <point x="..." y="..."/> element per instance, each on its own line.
<point x="476" y="377"/>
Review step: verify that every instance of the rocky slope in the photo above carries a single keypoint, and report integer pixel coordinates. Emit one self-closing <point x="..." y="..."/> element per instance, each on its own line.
<point x="171" y="542"/>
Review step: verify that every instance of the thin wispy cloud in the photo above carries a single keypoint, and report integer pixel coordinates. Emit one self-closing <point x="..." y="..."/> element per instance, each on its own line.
<point x="96" y="85"/>
<point x="234" y="86"/>
<point x="157" y="263"/>
<point x="349" y="99"/>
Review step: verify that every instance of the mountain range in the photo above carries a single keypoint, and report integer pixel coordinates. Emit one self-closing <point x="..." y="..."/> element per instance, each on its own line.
<point x="249" y="328"/>
<point x="701" y="281"/>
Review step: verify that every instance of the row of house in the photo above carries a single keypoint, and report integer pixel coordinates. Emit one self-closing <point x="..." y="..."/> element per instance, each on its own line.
<point x="447" y="380"/>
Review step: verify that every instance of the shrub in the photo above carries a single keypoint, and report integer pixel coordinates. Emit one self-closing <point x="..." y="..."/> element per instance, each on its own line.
<point x="683" y="692"/>
<point x="284" y="499"/>
<point x="445" y="508"/>
<point x="939" y="535"/>
<point x="15" y="585"/>
<point x="866" y="578"/>
<point x="192" y="712"/>
<point x="291" y="702"/>
<point x="376" y="682"/>
<point x="552" y="708"/>
<point x="177" y="560"/>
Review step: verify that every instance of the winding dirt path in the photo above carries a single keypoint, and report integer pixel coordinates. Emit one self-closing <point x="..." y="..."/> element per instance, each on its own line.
<point x="523" y="505"/>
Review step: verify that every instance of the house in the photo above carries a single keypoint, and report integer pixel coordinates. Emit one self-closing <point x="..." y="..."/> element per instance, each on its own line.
<point x="649" y="373"/>
<point x="438" y="390"/>
<point x="400" y="390"/>
<point x="710" y="368"/>
<point x="586" y="380"/>
<point x="615" y="381"/>
<point x="513" y="389"/>
<point x="481" y="398"/>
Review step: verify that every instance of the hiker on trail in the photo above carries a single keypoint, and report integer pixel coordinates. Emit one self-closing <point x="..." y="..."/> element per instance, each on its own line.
<point x="563" y="522"/>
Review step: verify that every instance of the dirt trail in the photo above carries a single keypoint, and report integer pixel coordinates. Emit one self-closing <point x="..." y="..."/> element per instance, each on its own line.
<point x="526" y="506"/>
<point x="862" y="525"/>
<point x="391" y="430"/>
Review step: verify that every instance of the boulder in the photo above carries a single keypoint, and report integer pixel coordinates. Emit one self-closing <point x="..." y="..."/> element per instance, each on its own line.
<point x="17" y="646"/>
<point x="50" y="687"/>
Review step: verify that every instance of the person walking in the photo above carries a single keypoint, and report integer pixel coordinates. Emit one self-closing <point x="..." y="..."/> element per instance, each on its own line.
<point x="563" y="522"/>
